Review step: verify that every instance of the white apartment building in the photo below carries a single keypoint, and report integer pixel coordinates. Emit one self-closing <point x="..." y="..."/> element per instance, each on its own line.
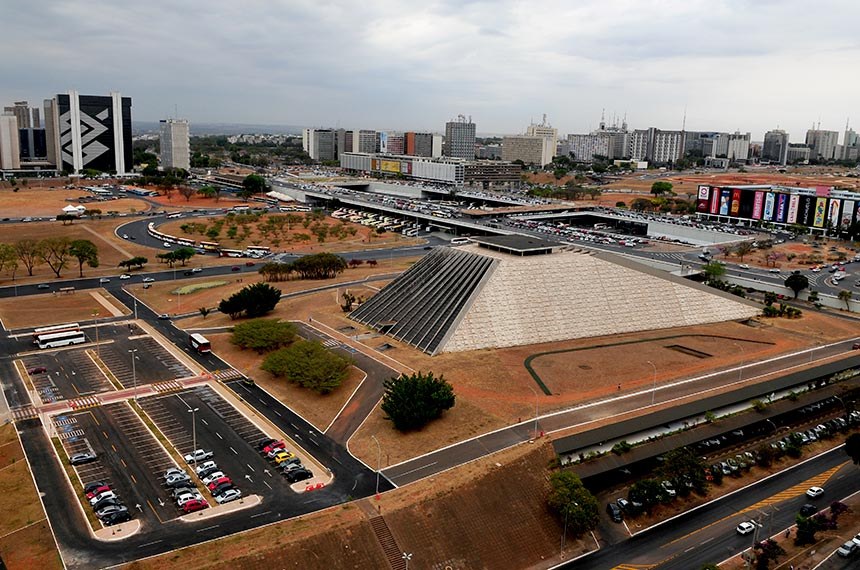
<point x="175" y="148"/>
<point x="9" y="142"/>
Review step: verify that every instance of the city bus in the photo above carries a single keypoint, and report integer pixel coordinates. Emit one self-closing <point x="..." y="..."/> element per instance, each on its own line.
<point x="231" y="253"/>
<point x="54" y="329"/>
<point x="199" y="343"/>
<point x="186" y="242"/>
<point x="58" y="339"/>
<point x="210" y="245"/>
<point x="258" y="249"/>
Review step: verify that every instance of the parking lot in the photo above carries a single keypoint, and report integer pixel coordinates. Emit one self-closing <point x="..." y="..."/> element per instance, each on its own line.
<point x="221" y="429"/>
<point x="152" y="362"/>
<point x="129" y="458"/>
<point x="69" y="374"/>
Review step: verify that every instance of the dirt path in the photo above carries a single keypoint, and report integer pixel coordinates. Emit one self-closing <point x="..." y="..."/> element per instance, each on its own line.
<point x="107" y="241"/>
<point x="106" y="304"/>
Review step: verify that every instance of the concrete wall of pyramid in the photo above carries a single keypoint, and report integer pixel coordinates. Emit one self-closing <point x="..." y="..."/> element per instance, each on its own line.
<point x="471" y="297"/>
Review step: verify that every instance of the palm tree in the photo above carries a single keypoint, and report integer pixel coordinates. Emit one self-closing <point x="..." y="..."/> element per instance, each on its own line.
<point x="845" y="295"/>
<point x="204" y="311"/>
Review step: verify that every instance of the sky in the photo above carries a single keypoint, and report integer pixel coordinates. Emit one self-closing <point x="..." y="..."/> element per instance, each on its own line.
<point x="383" y="64"/>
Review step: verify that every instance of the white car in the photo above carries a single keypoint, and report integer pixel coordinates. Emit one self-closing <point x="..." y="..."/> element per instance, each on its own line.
<point x="125" y="276"/>
<point x="670" y="490"/>
<point x="148" y="280"/>
<point x="198" y="454"/>
<point x="104" y="280"/>
<point x="213" y="477"/>
<point x="228" y="495"/>
<point x="745" y="528"/>
<point x="105" y="495"/>
<point x="744" y="266"/>
<point x="204" y="466"/>
<point x="124" y="236"/>
<point x="165" y="244"/>
<point x="816" y="270"/>
<point x="814" y="492"/>
<point x="188" y="497"/>
<point x="196" y="270"/>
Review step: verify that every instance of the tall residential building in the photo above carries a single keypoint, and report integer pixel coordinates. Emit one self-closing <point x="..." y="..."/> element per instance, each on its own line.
<point x="738" y="148"/>
<point x="9" y="142"/>
<point x="364" y="141"/>
<point x="89" y="132"/>
<point x="822" y="144"/>
<point x="320" y="144"/>
<point x="656" y="146"/>
<point x="391" y="143"/>
<point x="850" y="145"/>
<point x="419" y="144"/>
<point x="21" y="110"/>
<point x="775" y="147"/>
<point x="528" y="149"/>
<point x="798" y="152"/>
<point x="460" y="138"/>
<point x="544" y="129"/>
<point x="175" y="148"/>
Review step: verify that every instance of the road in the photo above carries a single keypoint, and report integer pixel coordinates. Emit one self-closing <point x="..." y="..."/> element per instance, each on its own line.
<point x="706" y="535"/>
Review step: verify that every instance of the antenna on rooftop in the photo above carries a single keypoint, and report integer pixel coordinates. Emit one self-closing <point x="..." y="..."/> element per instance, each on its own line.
<point x="684" y="122"/>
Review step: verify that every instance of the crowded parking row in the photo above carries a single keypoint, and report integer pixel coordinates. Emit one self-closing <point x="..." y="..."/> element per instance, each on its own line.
<point x="106" y="504"/>
<point x="286" y="461"/>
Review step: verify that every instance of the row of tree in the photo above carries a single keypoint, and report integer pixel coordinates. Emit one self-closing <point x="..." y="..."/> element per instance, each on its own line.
<point x="55" y="252"/>
<point x="315" y="266"/>
<point x="180" y="254"/>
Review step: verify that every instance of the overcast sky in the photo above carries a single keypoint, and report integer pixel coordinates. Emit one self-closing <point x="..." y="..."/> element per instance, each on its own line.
<point x="408" y="65"/>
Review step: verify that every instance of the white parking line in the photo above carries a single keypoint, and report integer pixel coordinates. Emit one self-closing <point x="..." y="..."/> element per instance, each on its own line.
<point x="251" y="468"/>
<point x="234" y="451"/>
<point x="219" y="435"/>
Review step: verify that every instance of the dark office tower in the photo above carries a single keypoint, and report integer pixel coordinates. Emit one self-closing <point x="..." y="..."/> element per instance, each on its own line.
<point x="89" y="132"/>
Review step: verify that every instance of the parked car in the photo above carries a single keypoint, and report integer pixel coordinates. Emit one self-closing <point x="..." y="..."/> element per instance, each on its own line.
<point x="300" y="474"/>
<point x="173" y="471"/>
<point x="184" y="498"/>
<point x="101" y="496"/>
<point x="116" y="518"/>
<point x="847" y="549"/>
<point x="199" y="455"/>
<point x="212" y="477"/>
<point x="670" y="490"/>
<point x="263" y="443"/>
<point x="195" y="505"/>
<point x="283" y="456"/>
<point x="110" y="509"/>
<point x="106" y="502"/>
<point x="37" y="370"/>
<point x="273" y="445"/>
<point x="614" y="512"/>
<point x="623" y="504"/>
<point x="81" y="458"/>
<point x="291" y="463"/>
<point x="89" y="487"/>
<point x="219" y="481"/>
<point x="204" y="466"/>
<point x="98" y="491"/>
<point x="228" y="495"/>
<point x="221" y="488"/>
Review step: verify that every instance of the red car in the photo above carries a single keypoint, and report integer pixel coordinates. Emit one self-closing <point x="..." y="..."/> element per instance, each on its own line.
<point x="195" y="505"/>
<point x="98" y="491"/>
<point x="219" y="481"/>
<point x="272" y="446"/>
<point x="249" y="264"/>
<point x="235" y="268"/>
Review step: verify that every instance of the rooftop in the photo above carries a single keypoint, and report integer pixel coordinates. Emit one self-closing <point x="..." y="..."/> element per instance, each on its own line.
<point x="517" y="244"/>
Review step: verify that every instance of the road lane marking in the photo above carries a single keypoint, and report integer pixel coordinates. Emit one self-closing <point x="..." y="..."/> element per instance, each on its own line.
<point x="149" y="543"/>
<point x="234" y="451"/>
<point x="121" y="460"/>
<point x="266" y="483"/>
<point x="416" y="469"/>
<point x="260" y="514"/>
<point x="208" y="528"/>
<point x="251" y="468"/>
<point x="204" y="421"/>
<point x="219" y="435"/>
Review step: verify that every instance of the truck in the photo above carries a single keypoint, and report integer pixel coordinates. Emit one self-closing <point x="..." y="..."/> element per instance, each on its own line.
<point x="199" y="455"/>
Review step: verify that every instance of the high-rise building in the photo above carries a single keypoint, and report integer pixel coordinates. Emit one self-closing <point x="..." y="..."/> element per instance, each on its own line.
<point x="738" y="148"/>
<point x="460" y="138"/>
<point x="850" y="145"/>
<point x="528" y="149"/>
<point x="89" y="132"/>
<point x="656" y="146"/>
<point x="21" y="110"/>
<point x="798" y="152"/>
<point x="419" y="144"/>
<point x="320" y="144"/>
<point x="364" y="141"/>
<point x="175" y="151"/>
<point x="550" y="139"/>
<point x="9" y="142"/>
<point x="391" y="143"/>
<point x="775" y="148"/>
<point x="822" y="144"/>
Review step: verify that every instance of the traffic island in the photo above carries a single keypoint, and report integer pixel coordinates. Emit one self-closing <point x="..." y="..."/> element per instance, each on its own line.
<point x="118" y="532"/>
<point x="218" y="510"/>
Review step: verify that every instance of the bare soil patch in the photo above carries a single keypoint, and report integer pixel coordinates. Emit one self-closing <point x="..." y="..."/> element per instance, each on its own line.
<point x="51" y="309"/>
<point x="318" y="409"/>
<point x="19" y="502"/>
<point x="30" y="547"/>
<point x="50" y="200"/>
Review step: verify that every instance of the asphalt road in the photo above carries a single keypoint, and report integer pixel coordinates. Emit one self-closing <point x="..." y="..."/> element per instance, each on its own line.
<point x="707" y="535"/>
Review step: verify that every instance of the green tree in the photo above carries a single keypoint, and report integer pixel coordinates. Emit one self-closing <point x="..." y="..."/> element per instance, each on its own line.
<point x="55" y="252"/>
<point x="646" y="492"/>
<point x="204" y="311"/>
<point x="852" y="447"/>
<point x="8" y="258"/>
<point x="210" y="192"/>
<point x="308" y="364"/>
<point x="253" y="301"/>
<point x="845" y="295"/>
<point x="572" y="503"/>
<point x="183" y="254"/>
<point x="743" y="249"/>
<point x="713" y="271"/>
<point x="661" y="187"/>
<point x="263" y="335"/>
<point x="253" y="184"/>
<point x="797" y="282"/>
<point x="413" y="401"/>
<point x="682" y="464"/>
<point x="29" y="253"/>
<point x="84" y="251"/>
<point x="806" y="529"/>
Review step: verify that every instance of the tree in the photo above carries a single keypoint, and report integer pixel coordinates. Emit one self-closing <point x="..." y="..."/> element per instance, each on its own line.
<point x="641" y="204"/>
<point x="84" y="251"/>
<point x="797" y="282"/>
<point x="253" y="301"/>
<point x="845" y="295"/>
<point x="661" y="187"/>
<point x="646" y="492"/>
<point x="204" y="311"/>
<point x="8" y="258"/>
<point x="66" y="218"/>
<point x="682" y="465"/>
<point x="413" y="401"/>
<point x="29" y="253"/>
<point x="187" y="192"/>
<point x="573" y="503"/>
<point x="253" y="184"/>
<point x="210" y="192"/>
<point x="263" y="335"/>
<point x="767" y="551"/>
<point x="308" y="364"/>
<point x="743" y="249"/>
<point x="806" y="529"/>
<point x="55" y="252"/>
<point x="852" y="447"/>
<point x="713" y="271"/>
<point x="183" y="254"/>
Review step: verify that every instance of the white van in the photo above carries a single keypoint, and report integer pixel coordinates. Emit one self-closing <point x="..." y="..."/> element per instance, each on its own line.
<point x="460" y="241"/>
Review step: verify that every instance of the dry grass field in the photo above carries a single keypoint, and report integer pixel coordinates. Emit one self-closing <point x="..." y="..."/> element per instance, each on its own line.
<point x="51" y="309"/>
<point x="35" y="200"/>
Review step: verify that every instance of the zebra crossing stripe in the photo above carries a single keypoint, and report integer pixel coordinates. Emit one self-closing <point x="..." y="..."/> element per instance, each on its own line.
<point x="27" y="413"/>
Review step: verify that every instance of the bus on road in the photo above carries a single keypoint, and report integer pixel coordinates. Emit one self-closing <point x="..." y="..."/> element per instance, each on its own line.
<point x="199" y="343"/>
<point x="58" y="339"/>
<point x="55" y="329"/>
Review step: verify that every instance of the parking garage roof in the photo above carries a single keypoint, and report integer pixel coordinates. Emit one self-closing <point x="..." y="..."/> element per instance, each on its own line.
<point x="517" y="244"/>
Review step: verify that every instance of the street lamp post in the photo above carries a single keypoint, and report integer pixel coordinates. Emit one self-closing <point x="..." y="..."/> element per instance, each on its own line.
<point x="536" y="411"/>
<point x="194" y="433"/>
<point x="407" y="556"/>
<point x="98" y="348"/>
<point x="743" y="358"/>
<point x="654" y="387"/>
<point x="378" y="463"/>
<point x="134" y="371"/>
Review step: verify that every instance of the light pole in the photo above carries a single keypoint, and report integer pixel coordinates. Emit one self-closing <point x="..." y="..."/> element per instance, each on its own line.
<point x="135" y="308"/>
<point x="770" y="421"/>
<point x="194" y="433"/>
<point x="743" y="357"/>
<point x="134" y="371"/>
<point x="844" y="407"/>
<point x="98" y="348"/>
<point x="536" y="411"/>
<point x="378" y="463"/>
<point x="407" y="556"/>
<point x="654" y="387"/>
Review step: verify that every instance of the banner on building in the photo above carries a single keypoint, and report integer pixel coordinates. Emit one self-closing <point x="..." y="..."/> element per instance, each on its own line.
<point x="757" y="205"/>
<point x="702" y="202"/>
<point x="793" y="203"/>
<point x="768" y="206"/>
<point x="847" y="213"/>
<point x="715" y="200"/>
<point x="820" y="212"/>
<point x="782" y="208"/>
<point x="735" y="207"/>
<point x="833" y="212"/>
<point x="725" y="197"/>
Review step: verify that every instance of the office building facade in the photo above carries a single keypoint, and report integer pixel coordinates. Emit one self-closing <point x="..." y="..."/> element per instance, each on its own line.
<point x="10" y="152"/>
<point x="657" y="146"/>
<point x="460" y="138"/>
<point x="445" y="171"/>
<point x="422" y="144"/>
<point x="822" y="144"/>
<point x="775" y="148"/>
<point x="320" y="144"/>
<point x="175" y="148"/>
<point x="738" y="147"/>
<point x="89" y="132"/>
<point x="529" y="150"/>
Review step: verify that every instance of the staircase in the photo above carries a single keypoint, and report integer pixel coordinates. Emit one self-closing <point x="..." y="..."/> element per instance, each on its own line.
<point x="389" y="545"/>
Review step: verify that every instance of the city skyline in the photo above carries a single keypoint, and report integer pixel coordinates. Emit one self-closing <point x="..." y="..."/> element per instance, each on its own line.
<point x="403" y="66"/>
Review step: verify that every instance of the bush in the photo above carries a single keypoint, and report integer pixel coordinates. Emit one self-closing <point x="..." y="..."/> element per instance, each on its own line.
<point x="253" y="301"/>
<point x="413" y="401"/>
<point x="263" y="335"/>
<point x="621" y="447"/>
<point x="308" y="364"/>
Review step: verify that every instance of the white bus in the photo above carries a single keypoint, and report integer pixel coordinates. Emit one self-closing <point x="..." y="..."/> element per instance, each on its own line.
<point x="58" y="339"/>
<point x="259" y="248"/>
<point x="54" y="329"/>
<point x="199" y="343"/>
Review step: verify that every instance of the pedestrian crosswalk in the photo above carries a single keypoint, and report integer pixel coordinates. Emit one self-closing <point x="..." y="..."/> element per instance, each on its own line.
<point x="65" y="421"/>
<point x="168" y="386"/>
<point x="26" y="413"/>
<point x="84" y="402"/>
<point x="70" y="434"/>
<point x="331" y="343"/>
<point x="229" y="374"/>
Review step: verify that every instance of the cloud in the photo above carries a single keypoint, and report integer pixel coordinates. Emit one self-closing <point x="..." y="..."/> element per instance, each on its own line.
<point x="412" y="65"/>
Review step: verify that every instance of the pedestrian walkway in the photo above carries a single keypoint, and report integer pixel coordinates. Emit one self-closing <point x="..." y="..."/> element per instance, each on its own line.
<point x="168" y="386"/>
<point x="84" y="402"/>
<point x="26" y="413"/>
<point x="229" y="374"/>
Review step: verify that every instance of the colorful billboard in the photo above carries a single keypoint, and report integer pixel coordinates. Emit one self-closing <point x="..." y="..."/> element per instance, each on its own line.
<point x="782" y="208"/>
<point x="702" y="202"/>
<point x="735" y="207"/>
<point x="757" y="205"/>
<point x="406" y="167"/>
<point x="820" y="212"/>
<point x="833" y="213"/>
<point x="768" y="206"/>
<point x="847" y="213"/>
<point x="389" y="166"/>
<point x="725" y="197"/>
<point x="806" y="211"/>
<point x="715" y="200"/>
<point x="793" y="203"/>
